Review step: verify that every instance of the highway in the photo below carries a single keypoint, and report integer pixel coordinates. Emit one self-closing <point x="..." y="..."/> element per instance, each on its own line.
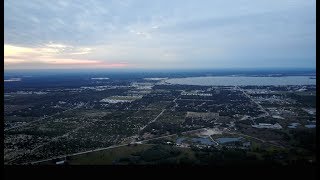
<point x="101" y="149"/>
<point x="153" y="120"/>
<point x="267" y="113"/>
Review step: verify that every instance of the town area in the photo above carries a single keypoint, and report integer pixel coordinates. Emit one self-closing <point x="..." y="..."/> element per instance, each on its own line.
<point x="149" y="121"/>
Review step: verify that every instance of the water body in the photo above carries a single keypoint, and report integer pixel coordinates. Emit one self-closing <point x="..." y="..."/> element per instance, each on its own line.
<point x="100" y="78"/>
<point x="179" y="140"/>
<point x="228" y="140"/>
<point x="201" y="140"/>
<point x="243" y="81"/>
<point x="293" y="125"/>
<point x="310" y="126"/>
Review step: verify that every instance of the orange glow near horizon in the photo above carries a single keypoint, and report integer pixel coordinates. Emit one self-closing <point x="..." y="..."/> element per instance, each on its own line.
<point x="51" y="56"/>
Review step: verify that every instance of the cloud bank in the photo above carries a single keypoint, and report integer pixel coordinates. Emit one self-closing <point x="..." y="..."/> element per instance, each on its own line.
<point x="159" y="34"/>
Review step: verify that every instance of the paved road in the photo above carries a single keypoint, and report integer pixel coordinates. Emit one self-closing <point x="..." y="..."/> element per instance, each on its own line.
<point x="53" y="139"/>
<point x="175" y="103"/>
<point x="95" y="150"/>
<point x="153" y="120"/>
<point x="74" y="154"/>
<point x="217" y="144"/>
<point x="267" y="113"/>
<point x="196" y="100"/>
<point x="56" y="138"/>
<point x="140" y="142"/>
<point x="101" y="149"/>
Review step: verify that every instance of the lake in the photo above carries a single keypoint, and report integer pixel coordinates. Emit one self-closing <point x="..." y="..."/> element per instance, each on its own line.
<point x="310" y="126"/>
<point x="228" y="140"/>
<point x="201" y="140"/>
<point x="293" y="125"/>
<point x="243" y="81"/>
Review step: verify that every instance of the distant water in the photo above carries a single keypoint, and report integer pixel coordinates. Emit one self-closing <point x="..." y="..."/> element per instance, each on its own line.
<point x="227" y="140"/>
<point x="293" y="125"/>
<point x="310" y="126"/>
<point x="179" y="140"/>
<point x="244" y="81"/>
<point x="201" y="140"/>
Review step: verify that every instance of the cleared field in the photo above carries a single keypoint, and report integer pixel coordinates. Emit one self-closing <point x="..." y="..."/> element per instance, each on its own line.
<point x="107" y="156"/>
<point x="202" y="115"/>
<point x="143" y="153"/>
<point x="172" y="117"/>
<point x="12" y="108"/>
<point x="159" y="105"/>
<point x="130" y="98"/>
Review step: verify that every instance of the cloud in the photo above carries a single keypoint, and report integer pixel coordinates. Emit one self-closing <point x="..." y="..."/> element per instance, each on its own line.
<point x="10" y="50"/>
<point x="49" y="54"/>
<point x="81" y="51"/>
<point x="160" y="33"/>
<point x="72" y="64"/>
<point x="71" y="61"/>
<point x="52" y="56"/>
<point x="57" y="45"/>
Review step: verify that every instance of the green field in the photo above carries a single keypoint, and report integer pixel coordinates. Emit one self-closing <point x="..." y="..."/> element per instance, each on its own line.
<point x="107" y="156"/>
<point x="137" y="154"/>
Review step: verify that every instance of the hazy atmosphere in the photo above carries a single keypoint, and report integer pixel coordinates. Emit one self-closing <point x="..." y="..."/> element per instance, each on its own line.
<point x="220" y="83"/>
<point x="159" y="34"/>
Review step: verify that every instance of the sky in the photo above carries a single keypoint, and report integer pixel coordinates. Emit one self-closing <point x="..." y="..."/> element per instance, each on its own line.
<point x="159" y="34"/>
